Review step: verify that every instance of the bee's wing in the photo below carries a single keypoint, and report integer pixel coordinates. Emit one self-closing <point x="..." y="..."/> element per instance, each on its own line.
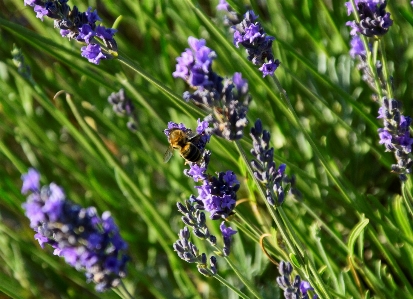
<point x="193" y="137"/>
<point x="168" y="154"/>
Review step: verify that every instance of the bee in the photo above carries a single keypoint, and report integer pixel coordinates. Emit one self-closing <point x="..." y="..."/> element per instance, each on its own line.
<point x="182" y="141"/>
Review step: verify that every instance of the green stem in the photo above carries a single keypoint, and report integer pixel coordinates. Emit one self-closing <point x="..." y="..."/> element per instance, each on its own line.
<point x="385" y="69"/>
<point x="288" y="235"/>
<point x="244" y="280"/>
<point x="333" y="176"/>
<point x="228" y="285"/>
<point x="125" y="290"/>
<point x="407" y="198"/>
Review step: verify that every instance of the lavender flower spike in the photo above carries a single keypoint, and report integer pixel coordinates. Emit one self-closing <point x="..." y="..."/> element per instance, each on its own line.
<point x="257" y="43"/>
<point x="226" y="100"/>
<point x="227" y="233"/>
<point x="265" y="169"/>
<point x="85" y="240"/>
<point x="123" y="106"/>
<point x="374" y="20"/>
<point x="296" y="288"/>
<point x="396" y="136"/>
<point x="80" y="26"/>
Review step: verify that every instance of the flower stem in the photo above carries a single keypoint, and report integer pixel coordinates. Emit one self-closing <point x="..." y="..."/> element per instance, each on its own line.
<point x="244" y="280"/>
<point x="228" y="285"/>
<point x="125" y="290"/>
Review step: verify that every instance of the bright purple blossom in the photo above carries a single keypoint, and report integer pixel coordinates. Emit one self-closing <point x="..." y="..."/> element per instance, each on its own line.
<point x="194" y="64"/>
<point x="31" y="181"/>
<point x="93" y="53"/>
<point x="218" y="194"/>
<point x="357" y="47"/>
<point x="225" y="100"/>
<point x="257" y="43"/>
<point x="40" y="12"/>
<point x="268" y="68"/>
<point x="396" y="136"/>
<point x="85" y="240"/>
<point x="77" y="25"/>
<point x="227" y="233"/>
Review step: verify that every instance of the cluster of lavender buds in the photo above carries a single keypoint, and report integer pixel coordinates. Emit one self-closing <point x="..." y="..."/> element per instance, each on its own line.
<point x="80" y="26"/>
<point x="123" y="106"/>
<point x="190" y="253"/>
<point x="396" y="136"/>
<point x="374" y="20"/>
<point x="217" y="194"/>
<point x="265" y="169"/>
<point x="85" y="240"/>
<point x="226" y="100"/>
<point x="257" y="43"/>
<point x="293" y="289"/>
<point x="195" y="218"/>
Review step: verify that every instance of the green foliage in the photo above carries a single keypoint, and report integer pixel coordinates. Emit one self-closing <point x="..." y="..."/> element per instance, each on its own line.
<point x="353" y="224"/>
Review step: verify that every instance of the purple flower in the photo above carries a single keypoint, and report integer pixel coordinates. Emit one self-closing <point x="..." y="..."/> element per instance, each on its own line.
<point x="93" y="53"/>
<point x="305" y="287"/>
<point x="218" y="194"/>
<point x="29" y="2"/>
<point x="85" y="240"/>
<point x="257" y="44"/>
<point x="265" y="169"/>
<point x="40" y="12"/>
<point x="77" y="25"/>
<point x="105" y="33"/>
<point x="357" y="47"/>
<point x="396" y="136"/>
<point x="92" y="16"/>
<point x="269" y="68"/>
<point x="295" y="288"/>
<point x="86" y="33"/>
<point x="31" y="181"/>
<point x="240" y="84"/>
<point x="227" y="233"/>
<point x="194" y="64"/>
<point x="225" y="100"/>
<point x="374" y="21"/>
<point x="223" y="5"/>
<point x="122" y="105"/>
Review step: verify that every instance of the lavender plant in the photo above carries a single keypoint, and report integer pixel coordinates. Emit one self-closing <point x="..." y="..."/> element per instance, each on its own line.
<point x="226" y="100"/>
<point x="375" y="22"/>
<point x="257" y="43"/>
<point x="123" y="106"/>
<point x="85" y="240"/>
<point x="295" y="288"/>
<point x="80" y="26"/>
